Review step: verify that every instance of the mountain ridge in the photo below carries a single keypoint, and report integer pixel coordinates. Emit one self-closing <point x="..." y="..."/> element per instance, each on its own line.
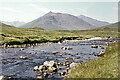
<point x="93" y="21"/>
<point x="60" y="21"/>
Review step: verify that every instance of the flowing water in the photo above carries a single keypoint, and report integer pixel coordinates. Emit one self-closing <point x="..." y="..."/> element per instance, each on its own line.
<point x="12" y="65"/>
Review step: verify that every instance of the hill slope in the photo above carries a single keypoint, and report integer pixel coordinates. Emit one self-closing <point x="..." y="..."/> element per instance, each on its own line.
<point x="93" y="22"/>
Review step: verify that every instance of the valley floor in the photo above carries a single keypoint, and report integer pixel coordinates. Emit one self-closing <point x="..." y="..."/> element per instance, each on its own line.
<point x="16" y="36"/>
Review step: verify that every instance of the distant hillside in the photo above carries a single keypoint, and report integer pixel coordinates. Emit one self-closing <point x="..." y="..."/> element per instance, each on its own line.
<point x="59" y="21"/>
<point x="5" y="25"/>
<point x="14" y="23"/>
<point x="93" y="22"/>
<point x="115" y="25"/>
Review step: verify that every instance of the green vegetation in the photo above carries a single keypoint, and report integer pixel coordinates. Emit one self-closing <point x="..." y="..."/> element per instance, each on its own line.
<point x="104" y="67"/>
<point x="13" y="35"/>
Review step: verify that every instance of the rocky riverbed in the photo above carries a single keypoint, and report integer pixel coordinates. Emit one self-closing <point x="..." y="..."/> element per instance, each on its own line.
<point x="56" y="59"/>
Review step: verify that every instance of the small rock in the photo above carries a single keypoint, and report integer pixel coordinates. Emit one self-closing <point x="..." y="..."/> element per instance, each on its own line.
<point x="69" y="48"/>
<point x="45" y="74"/>
<point x="22" y="57"/>
<point x="68" y="58"/>
<point x="21" y="49"/>
<point x="64" y="48"/>
<point x="39" y="77"/>
<point x="67" y="69"/>
<point x="62" y="73"/>
<point x="55" y="52"/>
<point x="61" y="55"/>
<point x="101" y="53"/>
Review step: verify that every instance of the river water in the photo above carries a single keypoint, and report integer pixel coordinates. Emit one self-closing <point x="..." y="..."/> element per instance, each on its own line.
<point x="12" y="65"/>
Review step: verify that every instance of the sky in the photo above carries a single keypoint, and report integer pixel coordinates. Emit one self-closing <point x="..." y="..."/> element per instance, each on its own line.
<point x="28" y="10"/>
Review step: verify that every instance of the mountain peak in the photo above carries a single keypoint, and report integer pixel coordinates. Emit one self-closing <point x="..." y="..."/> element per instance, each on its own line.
<point x="50" y="13"/>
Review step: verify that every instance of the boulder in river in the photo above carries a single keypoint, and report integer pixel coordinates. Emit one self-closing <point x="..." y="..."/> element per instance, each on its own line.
<point x="94" y="46"/>
<point x="49" y="63"/>
<point x="36" y="68"/>
<point x="48" y="68"/>
<point x="73" y="65"/>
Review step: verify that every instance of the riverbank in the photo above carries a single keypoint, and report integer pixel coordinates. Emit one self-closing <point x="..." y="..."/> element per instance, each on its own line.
<point x="64" y="40"/>
<point x="20" y="36"/>
<point x="104" y="67"/>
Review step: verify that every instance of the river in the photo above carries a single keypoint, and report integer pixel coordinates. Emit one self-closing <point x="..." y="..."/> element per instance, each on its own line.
<point x="12" y="65"/>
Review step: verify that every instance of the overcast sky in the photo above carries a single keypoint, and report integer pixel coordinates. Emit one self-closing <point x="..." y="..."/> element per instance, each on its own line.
<point x="28" y="10"/>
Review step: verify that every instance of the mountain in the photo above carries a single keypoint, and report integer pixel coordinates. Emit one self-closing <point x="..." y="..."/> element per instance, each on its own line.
<point x="59" y="21"/>
<point x="14" y="23"/>
<point x="93" y="22"/>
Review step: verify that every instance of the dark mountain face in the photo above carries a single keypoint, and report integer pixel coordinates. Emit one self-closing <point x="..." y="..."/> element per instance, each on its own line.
<point x="61" y="21"/>
<point x="93" y="22"/>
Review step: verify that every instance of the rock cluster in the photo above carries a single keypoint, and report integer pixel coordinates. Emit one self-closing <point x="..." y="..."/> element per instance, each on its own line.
<point x="48" y="68"/>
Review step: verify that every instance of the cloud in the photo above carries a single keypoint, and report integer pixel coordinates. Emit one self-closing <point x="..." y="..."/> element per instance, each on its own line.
<point x="41" y="8"/>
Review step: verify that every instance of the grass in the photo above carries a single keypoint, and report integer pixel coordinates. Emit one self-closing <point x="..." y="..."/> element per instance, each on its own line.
<point x="104" y="67"/>
<point x="13" y="35"/>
